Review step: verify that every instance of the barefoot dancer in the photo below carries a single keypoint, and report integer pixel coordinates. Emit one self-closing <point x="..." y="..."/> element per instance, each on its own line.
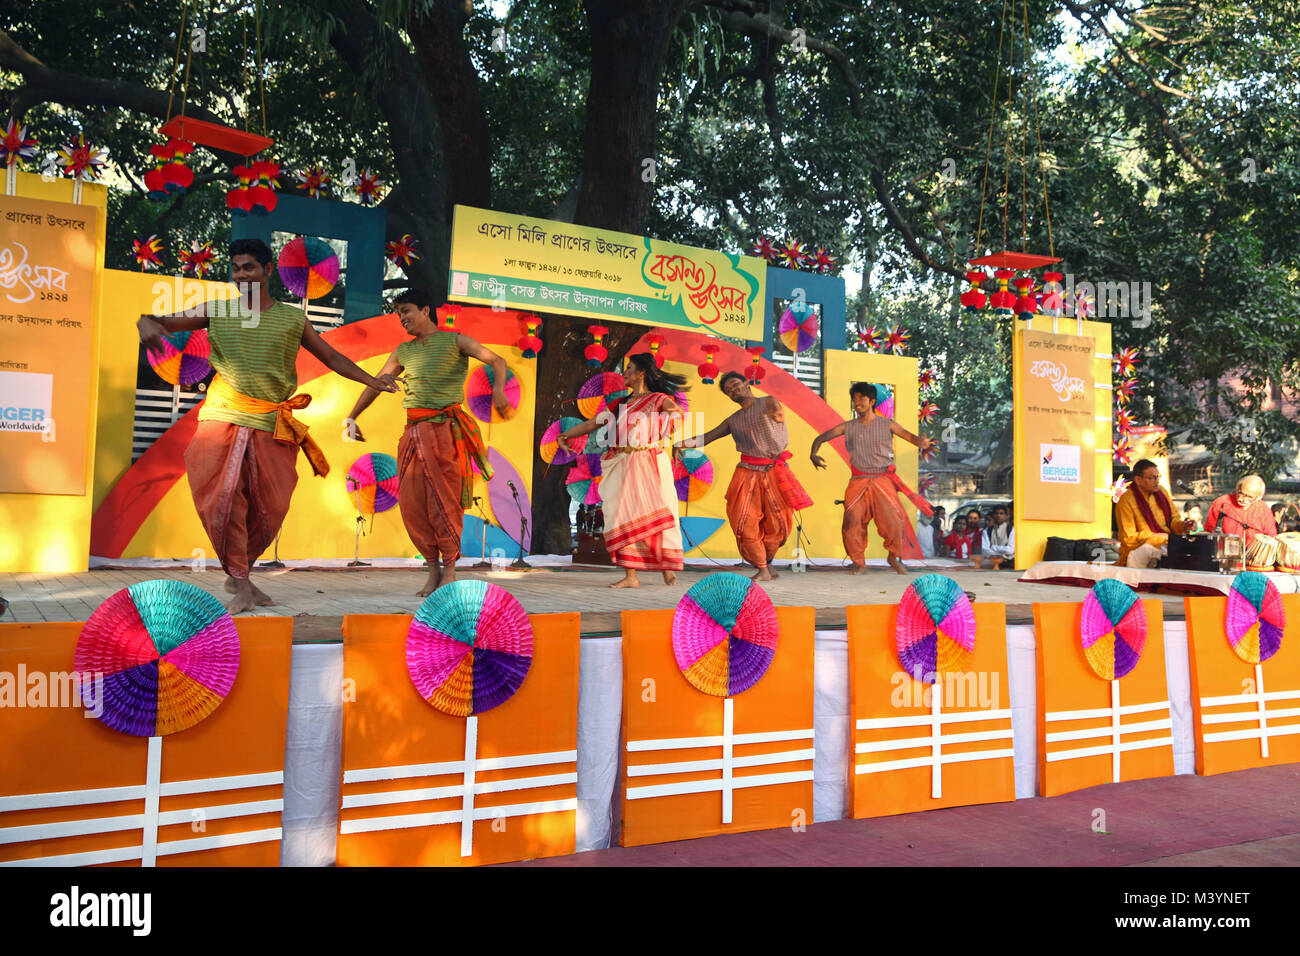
<point x="242" y="461"/>
<point x="763" y="494"/>
<point x="435" y="476"/>
<point x="872" y="493"/>
<point x="636" y="485"/>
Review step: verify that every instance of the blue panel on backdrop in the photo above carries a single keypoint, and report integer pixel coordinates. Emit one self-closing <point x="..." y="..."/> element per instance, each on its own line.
<point x="361" y="227"/>
<point x="696" y="531"/>
<point x="471" y="546"/>
<point x="827" y="291"/>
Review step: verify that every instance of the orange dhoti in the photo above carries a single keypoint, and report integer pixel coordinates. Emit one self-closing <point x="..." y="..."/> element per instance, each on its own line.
<point x="758" y="514"/>
<point x="429" y="478"/>
<point x="242" y="479"/>
<point x="875" y="498"/>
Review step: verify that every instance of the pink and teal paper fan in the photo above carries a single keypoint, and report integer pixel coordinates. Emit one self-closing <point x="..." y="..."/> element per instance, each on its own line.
<point x="885" y="405"/>
<point x="469" y="647"/>
<point x="1256" y="617"/>
<point x="692" y="474"/>
<point x="372" y="482"/>
<point x="478" y="394"/>
<point x="1113" y="629"/>
<point x="934" y="632"/>
<point x="159" y="656"/>
<point x="582" y="485"/>
<point x="598" y="392"/>
<point x="184" y="360"/>
<point x="549" y="447"/>
<point x="724" y="634"/>
<point x="798" y="330"/>
<point x="308" y="267"/>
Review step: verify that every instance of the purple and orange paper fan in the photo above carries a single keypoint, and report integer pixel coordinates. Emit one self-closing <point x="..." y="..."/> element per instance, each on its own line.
<point x="372" y="482"/>
<point x="798" y="330"/>
<point x="184" y="359"/>
<point x="1256" y="617"/>
<point x="598" y="392"/>
<point x="692" y="474"/>
<point x="478" y="394"/>
<point x="724" y="634"/>
<point x="549" y="447"/>
<point x="1113" y="629"/>
<point x="159" y="656"/>
<point x="308" y="267"/>
<point x="469" y="647"/>
<point x="934" y="633"/>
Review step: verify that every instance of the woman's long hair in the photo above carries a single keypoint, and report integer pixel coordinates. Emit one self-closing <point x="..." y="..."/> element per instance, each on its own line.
<point x="656" y="379"/>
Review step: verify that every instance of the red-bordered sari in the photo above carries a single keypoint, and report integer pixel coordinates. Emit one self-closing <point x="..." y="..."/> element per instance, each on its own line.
<point x="636" y="487"/>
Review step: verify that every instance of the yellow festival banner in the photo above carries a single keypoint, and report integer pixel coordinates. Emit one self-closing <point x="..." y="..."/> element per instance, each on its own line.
<point x="1060" y="426"/>
<point x="47" y="269"/>
<point x="514" y="262"/>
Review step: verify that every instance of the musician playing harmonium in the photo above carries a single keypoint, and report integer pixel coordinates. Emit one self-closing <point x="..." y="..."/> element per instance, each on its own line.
<point x="1243" y="511"/>
<point x="1146" y="518"/>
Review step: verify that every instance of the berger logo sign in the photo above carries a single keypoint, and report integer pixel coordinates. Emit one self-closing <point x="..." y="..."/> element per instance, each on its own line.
<point x="1059" y="464"/>
<point x="26" y="401"/>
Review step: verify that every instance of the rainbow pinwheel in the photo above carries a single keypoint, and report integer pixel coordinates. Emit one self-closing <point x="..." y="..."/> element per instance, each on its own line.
<point x="823" y="261"/>
<point x="184" y="357"/>
<point x="766" y="249"/>
<point x="870" y="338"/>
<point x="165" y="655"/>
<point x="926" y="483"/>
<point x="549" y="447"/>
<point x="308" y="267"/>
<point x="599" y="392"/>
<point x="478" y="394"/>
<point x="1112" y="629"/>
<point x="798" y="330"/>
<point x="17" y="144"/>
<point x="1124" y="422"/>
<point x="896" y="340"/>
<point x="1125" y="362"/>
<point x="1121" y="451"/>
<point x="793" y="254"/>
<point x="1084" y="305"/>
<point x="692" y="474"/>
<point x="928" y="412"/>
<point x="198" y="260"/>
<point x="926" y="379"/>
<point x="314" y="181"/>
<point x="469" y="647"/>
<point x="724" y="634"/>
<point x="885" y="400"/>
<point x="147" y="252"/>
<point x="1125" y="390"/>
<point x="1256" y="618"/>
<point x="934" y="634"/>
<point x="928" y="452"/>
<point x="80" y="160"/>
<point x="372" y="482"/>
<point x="368" y="187"/>
<point x="582" y="481"/>
<point x="402" y="252"/>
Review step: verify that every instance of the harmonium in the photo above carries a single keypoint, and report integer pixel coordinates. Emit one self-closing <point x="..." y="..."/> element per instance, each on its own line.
<point x="1206" y="551"/>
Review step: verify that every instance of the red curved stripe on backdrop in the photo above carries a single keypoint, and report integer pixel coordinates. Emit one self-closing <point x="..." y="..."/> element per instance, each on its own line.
<point x="683" y="346"/>
<point x="143" y="486"/>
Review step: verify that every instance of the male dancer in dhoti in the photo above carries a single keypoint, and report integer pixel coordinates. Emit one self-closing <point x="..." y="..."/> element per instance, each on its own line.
<point x="441" y="442"/>
<point x="872" y="494"/>
<point x="764" y="494"/>
<point x="242" y="461"/>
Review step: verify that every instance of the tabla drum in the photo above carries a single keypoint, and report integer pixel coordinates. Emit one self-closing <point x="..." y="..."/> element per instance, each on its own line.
<point x="1288" y="552"/>
<point x="1262" y="553"/>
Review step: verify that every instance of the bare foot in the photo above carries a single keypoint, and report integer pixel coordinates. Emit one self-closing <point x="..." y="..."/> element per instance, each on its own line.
<point x="859" y="569"/>
<point x="230" y="584"/>
<point x="244" y="599"/>
<point x="260" y="597"/>
<point x="670" y="577"/>
<point x="629" y="581"/>
<point x="431" y="582"/>
<point x="764" y="574"/>
<point x="448" y="574"/>
<point x="896" y="564"/>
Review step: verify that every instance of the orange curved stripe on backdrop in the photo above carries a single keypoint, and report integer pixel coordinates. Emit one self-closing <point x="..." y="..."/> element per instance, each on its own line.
<point x="145" y="484"/>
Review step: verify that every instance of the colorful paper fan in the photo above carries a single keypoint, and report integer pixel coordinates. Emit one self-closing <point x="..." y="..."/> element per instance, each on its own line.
<point x="1113" y="629"/>
<point x="469" y="648"/>
<point x="1256" y="617"/>
<point x="185" y="358"/>
<point x="724" y="634"/>
<point x="164" y="655"/>
<point x="582" y="484"/>
<point x="798" y="330"/>
<point x="598" y="391"/>
<point x="550" y="448"/>
<point x="885" y="405"/>
<point x="372" y="482"/>
<point x="935" y="630"/>
<point x="308" y="267"/>
<point x="478" y="394"/>
<point x="692" y="475"/>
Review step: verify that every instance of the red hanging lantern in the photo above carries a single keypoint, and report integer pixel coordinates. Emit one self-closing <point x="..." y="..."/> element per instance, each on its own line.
<point x="238" y="198"/>
<point x="1002" y="301"/>
<point x="708" y="371"/>
<point x="974" y="299"/>
<point x="596" y="353"/>
<point x="1027" y="303"/>
<point x="176" y="175"/>
<point x="261" y="195"/>
<point x="756" y="371"/>
<point x="529" y="343"/>
<point x="1051" y="302"/>
<point x="449" y="314"/>
<point x="655" y="342"/>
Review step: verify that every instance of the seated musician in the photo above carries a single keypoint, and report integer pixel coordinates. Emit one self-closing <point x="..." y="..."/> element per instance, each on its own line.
<point x="1145" y="515"/>
<point x="1243" y="510"/>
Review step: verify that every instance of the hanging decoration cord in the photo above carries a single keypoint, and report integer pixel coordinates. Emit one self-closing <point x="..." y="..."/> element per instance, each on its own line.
<point x="243" y="20"/>
<point x="1042" y="166"/>
<point x="189" y="57"/>
<point x="993" y="115"/>
<point x="1006" y="163"/>
<point x="1027" y="62"/>
<point x="176" y="60"/>
<point x="261" y="88"/>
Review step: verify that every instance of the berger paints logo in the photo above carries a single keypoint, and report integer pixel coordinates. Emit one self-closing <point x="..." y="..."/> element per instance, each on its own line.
<point x="1059" y="464"/>
<point x="26" y="401"/>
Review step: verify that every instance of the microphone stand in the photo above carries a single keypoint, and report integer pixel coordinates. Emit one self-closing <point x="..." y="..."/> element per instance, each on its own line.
<point x="483" y="563"/>
<point x="519" y="564"/>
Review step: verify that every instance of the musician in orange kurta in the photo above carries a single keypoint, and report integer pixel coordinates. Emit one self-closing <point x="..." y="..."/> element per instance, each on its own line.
<point x="1145" y="516"/>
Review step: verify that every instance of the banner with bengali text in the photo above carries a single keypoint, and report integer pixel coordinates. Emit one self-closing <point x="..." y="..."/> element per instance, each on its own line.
<point x="47" y="272"/>
<point x="545" y="266"/>
<point x="1060" y="427"/>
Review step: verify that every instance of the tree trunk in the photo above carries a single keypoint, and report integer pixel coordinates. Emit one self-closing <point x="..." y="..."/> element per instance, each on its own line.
<point x="628" y="41"/>
<point x="561" y="366"/>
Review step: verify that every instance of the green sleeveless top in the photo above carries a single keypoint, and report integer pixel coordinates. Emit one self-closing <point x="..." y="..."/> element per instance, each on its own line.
<point x="434" y="370"/>
<point x="258" y="360"/>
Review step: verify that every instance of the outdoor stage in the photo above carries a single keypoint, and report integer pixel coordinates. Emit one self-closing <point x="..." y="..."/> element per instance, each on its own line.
<point x="1085" y="574"/>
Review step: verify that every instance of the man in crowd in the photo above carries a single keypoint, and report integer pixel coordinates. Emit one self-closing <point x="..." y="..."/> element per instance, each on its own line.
<point x="1146" y="519"/>
<point x="1242" y="511"/>
<point x="998" y="542"/>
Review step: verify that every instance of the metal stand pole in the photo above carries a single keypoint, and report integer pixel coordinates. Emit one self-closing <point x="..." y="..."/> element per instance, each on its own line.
<point x="519" y="563"/>
<point x="277" y="563"/>
<point x="483" y="562"/>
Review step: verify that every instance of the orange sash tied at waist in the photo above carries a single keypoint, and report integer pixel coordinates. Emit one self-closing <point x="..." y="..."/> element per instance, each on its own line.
<point x="922" y="505"/>
<point x="287" y="428"/>
<point x="786" y="482"/>
<point x="469" y="443"/>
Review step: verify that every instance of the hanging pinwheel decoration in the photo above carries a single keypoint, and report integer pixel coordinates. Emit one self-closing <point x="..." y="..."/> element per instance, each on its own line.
<point x="926" y="483"/>
<point x="1124" y="422"/>
<point x="403" y="251"/>
<point x="1125" y="362"/>
<point x="709" y="371"/>
<point x="793" y="254"/>
<point x="1084" y="305"/>
<point x="199" y="260"/>
<point x="80" y="160"/>
<point x="314" y="181"/>
<point x="17" y="144"/>
<point x="871" y="338"/>
<point x="1117" y="489"/>
<point x="756" y="371"/>
<point x="148" y="253"/>
<point x="928" y="412"/>
<point x="895" y="342"/>
<point x="692" y="474"/>
<point x="529" y="343"/>
<point x="766" y="249"/>
<point x="798" y="330"/>
<point x="368" y="187"/>
<point x="1125" y="390"/>
<point x="595" y="353"/>
<point x="927" y="379"/>
<point x="823" y="261"/>
<point x="927" y="452"/>
<point x="1121" y="451"/>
